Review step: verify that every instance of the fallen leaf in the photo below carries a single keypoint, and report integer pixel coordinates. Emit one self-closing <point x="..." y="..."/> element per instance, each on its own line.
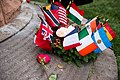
<point x="60" y="66"/>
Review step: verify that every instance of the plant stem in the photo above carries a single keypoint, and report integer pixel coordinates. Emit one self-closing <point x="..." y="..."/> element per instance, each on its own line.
<point x="44" y="68"/>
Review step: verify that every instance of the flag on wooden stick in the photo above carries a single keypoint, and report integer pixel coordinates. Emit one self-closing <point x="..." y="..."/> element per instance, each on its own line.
<point x="43" y="36"/>
<point x="101" y="40"/>
<point x="109" y="32"/>
<point x="62" y="15"/>
<point x="50" y="17"/>
<point x="87" y="46"/>
<point x="75" y="14"/>
<point x="46" y="30"/>
<point x="92" y="24"/>
<point x="71" y="40"/>
<point x="84" y="32"/>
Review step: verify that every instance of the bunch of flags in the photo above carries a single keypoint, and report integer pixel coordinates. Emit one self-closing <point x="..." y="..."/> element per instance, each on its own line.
<point x="93" y="36"/>
<point x="55" y="14"/>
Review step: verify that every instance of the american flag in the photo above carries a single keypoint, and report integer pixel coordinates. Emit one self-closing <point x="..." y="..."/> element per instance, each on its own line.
<point x="62" y="15"/>
<point x="46" y="30"/>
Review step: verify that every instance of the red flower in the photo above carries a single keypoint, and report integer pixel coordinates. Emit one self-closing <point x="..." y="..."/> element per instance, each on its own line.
<point x="43" y="58"/>
<point x="28" y="1"/>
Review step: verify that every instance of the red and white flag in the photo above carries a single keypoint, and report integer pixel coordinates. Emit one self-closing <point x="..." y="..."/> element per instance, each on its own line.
<point x="46" y="30"/>
<point x="43" y="36"/>
<point x="62" y="15"/>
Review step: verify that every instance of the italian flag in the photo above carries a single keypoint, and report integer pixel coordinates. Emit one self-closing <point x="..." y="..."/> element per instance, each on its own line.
<point x="87" y="46"/>
<point x="75" y="14"/>
<point x="88" y="29"/>
<point x="101" y="40"/>
<point x="84" y="32"/>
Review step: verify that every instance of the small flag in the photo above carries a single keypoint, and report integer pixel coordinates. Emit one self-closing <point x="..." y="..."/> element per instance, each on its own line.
<point x="109" y="32"/>
<point x="87" y="46"/>
<point x="81" y="12"/>
<point x="101" y="40"/>
<point x="62" y="15"/>
<point x="39" y="39"/>
<point x="75" y="14"/>
<point x="99" y="26"/>
<point x="50" y="17"/>
<point x="54" y="9"/>
<point x="46" y="30"/>
<point x="93" y="24"/>
<point x="84" y="32"/>
<point x="71" y="40"/>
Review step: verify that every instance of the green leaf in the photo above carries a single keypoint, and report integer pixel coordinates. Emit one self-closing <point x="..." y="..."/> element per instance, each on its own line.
<point x="80" y="57"/>
<point x="70" y="54"/>
<point x="60" y="47"/>
<point x="94" y="56"/>
<point x="59" y="52"/>
<point x="65" y="58"/>
<point x="63" y="50"/>
<point x="71" y="50"/>
<point x="53" y="77"/>
<point x="78" y="63"/>
<point x="76" y="53"/>
<point x="69" y="62"/>
<point x="85" y="58"/>
<point x="52" y="44"/>
<point x="74" y="57"/>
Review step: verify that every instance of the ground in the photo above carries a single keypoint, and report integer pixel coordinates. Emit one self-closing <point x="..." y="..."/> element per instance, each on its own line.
<point x="18" y="58"/>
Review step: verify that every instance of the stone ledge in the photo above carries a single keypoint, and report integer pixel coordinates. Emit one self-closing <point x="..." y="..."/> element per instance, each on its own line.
<point x="17" y="24"/>
<point x="105" y="67"/>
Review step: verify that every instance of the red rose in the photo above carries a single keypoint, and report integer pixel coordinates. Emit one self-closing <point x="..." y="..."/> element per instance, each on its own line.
<point x="43" y="58"/>
<point x="28" y="1"/>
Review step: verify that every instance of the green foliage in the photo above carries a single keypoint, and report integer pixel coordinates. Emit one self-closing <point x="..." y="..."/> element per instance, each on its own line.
<point x="53" y="77"/>
<point x="72" y="55"/>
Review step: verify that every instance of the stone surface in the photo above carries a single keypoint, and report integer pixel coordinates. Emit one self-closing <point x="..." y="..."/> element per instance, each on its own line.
<point x="105" y="67"/>
<point x="17" y="24"/>
<point x="7" y="11"/>
<point x="2" y="22"/>
<point x="18" y="59"/>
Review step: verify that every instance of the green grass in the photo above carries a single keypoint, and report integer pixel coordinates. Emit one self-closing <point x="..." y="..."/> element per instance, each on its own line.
<point x="109" y="9"/>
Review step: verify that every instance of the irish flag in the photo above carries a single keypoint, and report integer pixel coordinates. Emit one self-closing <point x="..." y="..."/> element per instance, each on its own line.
<point x="71" y="40"/>
<point x="87" y="45"/>
<point x="75" y="14"/>
<point x="92" y="24"/>
<point x="101" y="40"/>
